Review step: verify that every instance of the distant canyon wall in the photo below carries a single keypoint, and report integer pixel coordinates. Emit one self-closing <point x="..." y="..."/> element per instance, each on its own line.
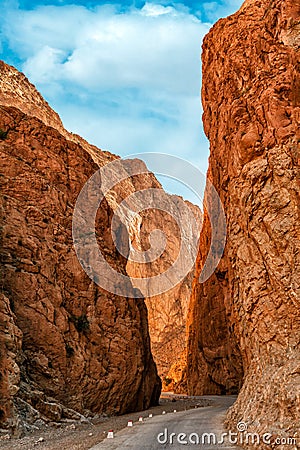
<point x="167" y="311"/>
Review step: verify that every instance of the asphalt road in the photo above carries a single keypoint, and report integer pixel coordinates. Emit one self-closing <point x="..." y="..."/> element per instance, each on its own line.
<point x="156" y="432"/>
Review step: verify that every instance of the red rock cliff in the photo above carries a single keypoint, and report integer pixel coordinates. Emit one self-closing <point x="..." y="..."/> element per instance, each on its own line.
<point x="67" y="346"/>
<point x="245" y="318"/>
<point x="63" y="339"/>
<point x="167" y="312"/>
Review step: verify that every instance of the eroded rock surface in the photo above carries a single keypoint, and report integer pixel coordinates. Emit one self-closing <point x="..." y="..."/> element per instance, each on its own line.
<point x="65" y="343"/>
<point x="245" y="318"/>
<point x="166" y="312"/>
<point x="70" y="343"/>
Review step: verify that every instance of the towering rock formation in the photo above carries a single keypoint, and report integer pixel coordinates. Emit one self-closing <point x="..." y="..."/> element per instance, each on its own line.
<point x="63" y="339"/>
<point x="167" y="312"/>
<point x="67" y="347"/>
<point x="244" y="321"/>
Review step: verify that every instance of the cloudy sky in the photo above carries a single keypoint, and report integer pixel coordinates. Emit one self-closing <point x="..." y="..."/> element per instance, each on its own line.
<point x="124" y="75"/>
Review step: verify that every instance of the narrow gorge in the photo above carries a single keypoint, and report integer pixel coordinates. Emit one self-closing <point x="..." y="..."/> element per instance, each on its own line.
<point x="71" y="350"/>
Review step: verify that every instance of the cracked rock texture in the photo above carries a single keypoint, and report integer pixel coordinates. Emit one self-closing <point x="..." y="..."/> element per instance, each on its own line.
<point x="68" y="348"/>
<point x="63" y="339"/>
<point x="244" y="321"/>
<point x="166" y="312"/>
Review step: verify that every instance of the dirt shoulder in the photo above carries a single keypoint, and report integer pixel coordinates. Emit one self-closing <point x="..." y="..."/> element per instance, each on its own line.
<point x="83" y="436"/>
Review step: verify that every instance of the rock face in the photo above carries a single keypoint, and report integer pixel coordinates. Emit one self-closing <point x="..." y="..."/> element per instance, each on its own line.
<point x="67" y="347"/>
<point x="245" y="318"/>
<point x="10" y="351"/>
<point x="168" y="311"/>
<point x="167" y="324"/>
<point x="17" y="91"/>
<point x="63" y="339"/>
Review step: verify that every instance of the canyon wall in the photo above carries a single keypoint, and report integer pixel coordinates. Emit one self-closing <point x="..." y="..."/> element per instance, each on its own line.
<point x="68" y="348"/>
<point x="66" y="345"/>
<point x="168" y="311"/>
<point x="244" y="321"/>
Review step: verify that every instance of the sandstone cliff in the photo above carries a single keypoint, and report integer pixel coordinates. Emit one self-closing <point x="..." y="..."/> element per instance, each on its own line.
<point x="63" y="339"/>
<point x="244" y="321"/>
<point x="17" y="91"/>
<point x="167" y="312"/>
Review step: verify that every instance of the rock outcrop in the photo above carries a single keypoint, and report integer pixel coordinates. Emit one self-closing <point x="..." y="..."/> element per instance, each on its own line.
<point x="244" y="321"/>
<point x="63" y="338"/>
<point x="167" y="312"/>
<point x="69" y="348"/>
<point x="17" y="91"/>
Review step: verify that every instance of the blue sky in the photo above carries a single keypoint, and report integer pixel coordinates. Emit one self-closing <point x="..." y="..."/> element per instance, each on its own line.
<point x="124" y="75"/>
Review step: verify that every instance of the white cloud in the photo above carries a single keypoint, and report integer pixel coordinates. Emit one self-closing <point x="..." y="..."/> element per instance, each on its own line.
<point x="129" y="82"/>
<point x="150" y="9"/>
<point x="44" y="62"/>
<point x="153" y="48"/>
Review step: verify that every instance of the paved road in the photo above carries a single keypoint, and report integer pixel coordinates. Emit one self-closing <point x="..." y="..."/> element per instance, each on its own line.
<point x="202" y="420"/>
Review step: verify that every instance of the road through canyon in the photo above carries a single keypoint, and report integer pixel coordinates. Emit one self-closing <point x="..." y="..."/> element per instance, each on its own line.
<point x="166" y="431"/>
